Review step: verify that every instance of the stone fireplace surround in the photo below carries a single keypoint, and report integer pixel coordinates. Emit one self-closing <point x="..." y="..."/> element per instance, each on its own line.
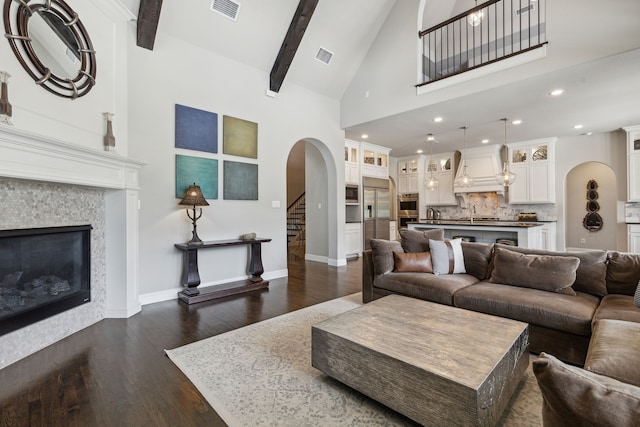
<point x="47" y="183"/>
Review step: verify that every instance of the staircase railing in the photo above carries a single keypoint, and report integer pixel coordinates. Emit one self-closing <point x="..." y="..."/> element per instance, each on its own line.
<point x="296" y="220"/>
<point x="490" y="32"/>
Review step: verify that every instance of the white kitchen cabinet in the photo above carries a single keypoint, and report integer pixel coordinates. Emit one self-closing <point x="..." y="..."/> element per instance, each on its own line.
<point x="375" y="160"/>
<point x="442" y="167"/>
<point x="533" y="163"/>
<point x="351" y="162"/>
<point x="409" y="173"/>
<point x="549" y="236"/>
<point x="353" y="238"/>
<point x="633" y="163"/>
<point x="634" y="238"/>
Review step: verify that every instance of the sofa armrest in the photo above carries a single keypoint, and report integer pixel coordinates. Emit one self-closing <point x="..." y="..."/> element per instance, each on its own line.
<point x="367" y="276"/>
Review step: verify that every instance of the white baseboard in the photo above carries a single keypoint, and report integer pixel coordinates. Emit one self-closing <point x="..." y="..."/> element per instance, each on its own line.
<point x="316" y="258"/>
<point x="338" y="262"/>
<point x="122" y="313"/>
<point x="170" y="294"/>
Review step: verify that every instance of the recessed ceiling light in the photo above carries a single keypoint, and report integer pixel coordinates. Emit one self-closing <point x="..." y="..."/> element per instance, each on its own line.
<point x="485" y="141"/>
<point x="437" y="119"/>
<point x="516" y="122"/>
<point x="365" y="136"/>
<point x="419" y="151"/>
<point x="578" y="126"/>
<point x="556" y="92"/>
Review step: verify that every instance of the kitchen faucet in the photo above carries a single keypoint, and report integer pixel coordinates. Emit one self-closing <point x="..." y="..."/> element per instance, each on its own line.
<point x="472" y="211"/>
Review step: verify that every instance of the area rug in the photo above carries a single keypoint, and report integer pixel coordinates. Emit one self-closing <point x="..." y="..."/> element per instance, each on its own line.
<point x="261" y="375"/>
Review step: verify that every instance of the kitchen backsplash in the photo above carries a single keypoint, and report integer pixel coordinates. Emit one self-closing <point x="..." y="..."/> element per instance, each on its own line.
<point x="491" y="205"/>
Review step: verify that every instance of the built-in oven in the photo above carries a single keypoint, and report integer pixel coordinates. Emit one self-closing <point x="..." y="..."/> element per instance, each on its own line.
<point x="351" y="194"/>
<point x="407" y="208"/>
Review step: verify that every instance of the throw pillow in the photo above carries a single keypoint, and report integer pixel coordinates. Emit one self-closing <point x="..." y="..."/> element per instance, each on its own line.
<point x="623" y="273"/>
<point x="447" y="256"/>
<point x="381" y="252"/>
<point x="574" y="396"/>
<point x="418" y="241"/>
<point x="543" y="272"/>
<point x="413" y="262"/>
<point x="636" y="297"/>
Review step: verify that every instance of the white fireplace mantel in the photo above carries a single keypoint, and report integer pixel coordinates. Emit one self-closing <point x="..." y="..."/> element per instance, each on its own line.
<point x="25" y="155"/>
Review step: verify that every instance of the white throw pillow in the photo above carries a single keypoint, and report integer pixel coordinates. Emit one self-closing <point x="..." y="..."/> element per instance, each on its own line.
<point x="636" y="297"/>
<point x="447" y="257"/>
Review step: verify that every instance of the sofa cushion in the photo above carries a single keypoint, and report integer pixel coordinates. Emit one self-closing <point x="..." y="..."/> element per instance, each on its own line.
<point x="619" y="307"/>
<point x="418" y="241"/>
<point x="476" y="258"/>
<point x="574" y="396"/>
<point x="614" y="350"/>
<point x="551" y="310"/>
<point x="636" y="296"/>
<point x="416" y="262"/>
<point x="591" y="273"/>
<point x="382" y="253"/>
<point x="544" y="272"/>
<point x="424" y="286"/>
<point x="447" y="257"/>
<point x="623" y="273"/>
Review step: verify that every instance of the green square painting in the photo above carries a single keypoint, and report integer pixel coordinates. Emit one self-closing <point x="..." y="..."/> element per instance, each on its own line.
<point x="239" y="137"/>
<point x="240" y="181"/>
<point x="203" y="172"/>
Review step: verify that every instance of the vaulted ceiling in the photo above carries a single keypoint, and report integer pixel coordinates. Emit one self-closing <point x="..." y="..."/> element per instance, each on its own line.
<point x="593" y="49"/>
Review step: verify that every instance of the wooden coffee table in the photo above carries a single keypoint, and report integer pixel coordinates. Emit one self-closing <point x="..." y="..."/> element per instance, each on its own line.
<point x="437" y="365"/>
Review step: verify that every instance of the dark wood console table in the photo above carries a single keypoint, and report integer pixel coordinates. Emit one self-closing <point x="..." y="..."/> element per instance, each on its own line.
<point x="191" y="276"/>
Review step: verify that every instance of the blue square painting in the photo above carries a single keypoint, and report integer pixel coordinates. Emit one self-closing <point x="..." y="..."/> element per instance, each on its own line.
<point x="196" y="129"/>
<point x="202" y="172"/>
<point x="240" y="181"/>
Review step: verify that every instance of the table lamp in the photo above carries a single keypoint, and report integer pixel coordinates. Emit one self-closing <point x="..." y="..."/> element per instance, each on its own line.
<point x="193" y="197"/>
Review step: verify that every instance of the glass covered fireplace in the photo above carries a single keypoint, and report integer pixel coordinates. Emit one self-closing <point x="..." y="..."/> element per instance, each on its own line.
<point x="43" y="272"/>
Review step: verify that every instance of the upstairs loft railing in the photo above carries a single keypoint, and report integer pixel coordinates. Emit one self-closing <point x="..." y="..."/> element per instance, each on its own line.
<point x="490" y="32"/>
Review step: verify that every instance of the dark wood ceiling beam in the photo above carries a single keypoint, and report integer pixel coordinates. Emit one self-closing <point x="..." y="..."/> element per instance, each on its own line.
<point x="148" y="18"/>
<point x="291" y="42"/>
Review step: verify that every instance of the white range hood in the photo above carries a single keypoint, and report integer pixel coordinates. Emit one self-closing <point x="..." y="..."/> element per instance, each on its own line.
<point x="483" y="164"/>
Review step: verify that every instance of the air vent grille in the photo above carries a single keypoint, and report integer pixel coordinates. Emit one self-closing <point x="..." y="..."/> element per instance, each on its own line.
<point x="526" y="9"/>
<point x="324" y="55"/>
<point x="226" y="8"/>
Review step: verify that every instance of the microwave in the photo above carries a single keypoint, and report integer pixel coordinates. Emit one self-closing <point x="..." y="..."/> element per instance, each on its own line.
<point x="351" y="194"/>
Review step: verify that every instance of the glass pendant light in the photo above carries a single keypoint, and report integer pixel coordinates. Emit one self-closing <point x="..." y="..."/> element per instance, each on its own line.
<point x="431" y="183"/>
<point x="506" y="177"/>
<point x="465" y="179"/>
<point x="476" y="17"/>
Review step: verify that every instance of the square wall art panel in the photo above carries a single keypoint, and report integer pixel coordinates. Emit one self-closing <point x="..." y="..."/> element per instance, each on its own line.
<point x="240" y="137"/>
<point x="204" y="172"/>
<point x="240" y="181"/>
<point x="196" y="129"/>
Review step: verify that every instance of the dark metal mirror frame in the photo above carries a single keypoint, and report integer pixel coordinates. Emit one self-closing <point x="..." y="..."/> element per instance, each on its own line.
<point x="18" y="13"/>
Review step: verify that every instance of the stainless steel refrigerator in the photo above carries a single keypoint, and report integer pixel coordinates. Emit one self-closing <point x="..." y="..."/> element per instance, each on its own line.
<point x="377" y="207"/>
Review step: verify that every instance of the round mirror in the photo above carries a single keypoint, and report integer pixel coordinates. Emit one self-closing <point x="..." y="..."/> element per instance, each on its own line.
<point x="592" y="195"/>
<point x="593" y="206"/>
<point x="52" y="45"/>
<point x="592" y="185"/>
<point x="592" y="221"/>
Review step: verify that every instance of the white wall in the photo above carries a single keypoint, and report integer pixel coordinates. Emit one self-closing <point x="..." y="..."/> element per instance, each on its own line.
<point x="175" y="72"/>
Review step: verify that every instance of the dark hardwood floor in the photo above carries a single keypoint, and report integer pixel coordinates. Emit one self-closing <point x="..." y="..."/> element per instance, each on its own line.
<point x="115" y="373"/>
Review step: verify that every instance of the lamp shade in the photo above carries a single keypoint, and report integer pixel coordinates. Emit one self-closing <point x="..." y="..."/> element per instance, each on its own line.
<point x="193" y="197"/>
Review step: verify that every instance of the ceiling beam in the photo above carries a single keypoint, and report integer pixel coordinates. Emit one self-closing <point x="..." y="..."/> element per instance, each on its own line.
<point x="148" y="18"/>
<point x="291" y="42"/>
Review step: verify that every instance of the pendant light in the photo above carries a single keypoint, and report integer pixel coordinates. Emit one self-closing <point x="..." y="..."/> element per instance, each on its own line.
<point x="465" y="180"/>
<point x="476" y="17"/>
<point x="431" y="183"/>
<point x="506" y="177"/>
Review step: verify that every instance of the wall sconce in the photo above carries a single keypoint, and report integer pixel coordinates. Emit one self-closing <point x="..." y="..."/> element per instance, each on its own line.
<point x="193" y="197"/>
<point x="109" y="139"/>
<point x="5" y="106"/>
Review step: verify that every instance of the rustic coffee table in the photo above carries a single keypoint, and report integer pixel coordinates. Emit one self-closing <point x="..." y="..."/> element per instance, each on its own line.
<point x="436" y="364"/>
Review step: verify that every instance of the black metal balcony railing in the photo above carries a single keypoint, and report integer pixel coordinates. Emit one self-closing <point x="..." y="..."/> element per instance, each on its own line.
<point x="490" y="32"/>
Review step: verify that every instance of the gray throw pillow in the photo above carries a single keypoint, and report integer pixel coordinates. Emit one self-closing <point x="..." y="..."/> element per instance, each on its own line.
<point x="623" y="273"/>
<point x="575" y="396"/>
<point x="382" y="254"/>
<point x="418" y="241"/>
<point x="543" y="272"/>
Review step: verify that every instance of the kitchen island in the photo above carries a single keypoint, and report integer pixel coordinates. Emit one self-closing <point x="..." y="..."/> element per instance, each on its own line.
<point x="524" y="234"/>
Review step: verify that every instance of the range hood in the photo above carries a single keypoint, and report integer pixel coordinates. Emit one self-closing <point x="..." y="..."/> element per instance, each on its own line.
<point x="483" y="164"/>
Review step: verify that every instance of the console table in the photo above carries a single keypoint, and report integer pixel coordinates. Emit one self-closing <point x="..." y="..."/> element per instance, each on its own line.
<point x="191" y="276"/>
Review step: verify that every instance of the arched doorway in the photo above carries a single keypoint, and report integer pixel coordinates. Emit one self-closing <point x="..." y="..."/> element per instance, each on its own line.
<point x="311" y="172"/>
<point x="577" y="207"/>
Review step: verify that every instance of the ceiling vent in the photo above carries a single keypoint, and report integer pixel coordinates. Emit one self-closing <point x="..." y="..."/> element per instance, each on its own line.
<point x="324" y="55"/>
<point x="526" y="9"/>
<point x="226" y="8"/>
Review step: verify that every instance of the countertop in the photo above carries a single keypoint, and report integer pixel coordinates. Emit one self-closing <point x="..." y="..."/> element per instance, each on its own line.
<point x="481" y="223"/>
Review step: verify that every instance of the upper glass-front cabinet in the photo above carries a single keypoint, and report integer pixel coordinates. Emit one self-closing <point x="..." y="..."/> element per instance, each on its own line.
<point x="534" y="153"/>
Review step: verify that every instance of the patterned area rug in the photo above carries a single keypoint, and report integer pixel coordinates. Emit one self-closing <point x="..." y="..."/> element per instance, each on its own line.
<point x="261" y="375"/>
